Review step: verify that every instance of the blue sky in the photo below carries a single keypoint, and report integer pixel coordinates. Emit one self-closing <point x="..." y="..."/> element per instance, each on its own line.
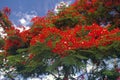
<point x="24" y="10"/>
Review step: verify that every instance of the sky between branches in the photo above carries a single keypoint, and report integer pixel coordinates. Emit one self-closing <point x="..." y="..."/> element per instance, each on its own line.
<point x="23" y="10"/>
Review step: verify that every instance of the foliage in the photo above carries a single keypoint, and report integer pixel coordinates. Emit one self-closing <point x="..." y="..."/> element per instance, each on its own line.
<point x="63" y="43"/>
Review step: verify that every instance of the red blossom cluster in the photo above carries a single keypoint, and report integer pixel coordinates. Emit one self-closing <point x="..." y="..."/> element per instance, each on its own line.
<point x="12" y="40"/>
<point x="109" y="3"/>
<point x="118" y="70"/>
<point x="12" y="43"/>
<point x="88" y="5"/>
<point x="40" y="21"/>
<point x="26" y="35"/>
<point x="31" y="56"/>
<point x="12" y="31"/>
<point x="80" y="37"/>
<point x="60" y="41"/>
<point x="56" y="32"/>
<point x="7" y="10"/>
<point x="45" y="33"/>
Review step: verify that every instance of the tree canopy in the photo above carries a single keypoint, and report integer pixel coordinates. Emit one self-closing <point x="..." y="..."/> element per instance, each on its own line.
<point x="65" y="43"/>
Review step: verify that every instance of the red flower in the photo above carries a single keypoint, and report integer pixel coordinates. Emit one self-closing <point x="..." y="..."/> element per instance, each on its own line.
<point x="72" y="39"/>
<point x="23" y="62"/>
<point x="12" y="31"/>
<point x="108" y="3"/>
<point x="91" y="10"/>
<point x="93" y="1"/>
<point x="38" y="38"/>
<point x="49" y="44"/>
<point x="40" y="21"/>
<point x="118" y="70"/>
<point x="118" y="78"/>
<point x="65" y="78"/>
<point x="6" y="10"/>
<point x="31" y="56"/>
<point x="9" y="43"/>
<point x="26" y="35"/>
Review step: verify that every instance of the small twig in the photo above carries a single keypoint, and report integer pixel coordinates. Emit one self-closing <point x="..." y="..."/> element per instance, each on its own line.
<point x="9" y="76"/>
<point x="53" y="74"/>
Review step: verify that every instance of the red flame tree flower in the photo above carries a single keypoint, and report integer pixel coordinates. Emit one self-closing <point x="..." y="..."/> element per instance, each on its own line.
<point x="63" y="43"/>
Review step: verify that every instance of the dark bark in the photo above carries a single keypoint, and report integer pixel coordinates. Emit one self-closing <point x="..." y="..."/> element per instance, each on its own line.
<point x="66" y="73"/>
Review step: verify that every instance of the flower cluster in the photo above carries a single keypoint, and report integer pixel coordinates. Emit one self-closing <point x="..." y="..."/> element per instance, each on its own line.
<point x="7" y="10"/>
<point x="12" y="43"/>
<point x="25" y="35"/>
<point x="73" y="28"/>
<point x="12" y="40"/>
<point x="40" y="21"/>
<point x="109" y="3"/>
<point x="12" y="31"/>
<point x="45" y="33"/>
<point x="88" y="5"/>
<point x="80" y="37"/>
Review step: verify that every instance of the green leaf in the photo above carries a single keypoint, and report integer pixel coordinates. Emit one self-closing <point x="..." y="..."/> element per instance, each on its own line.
<point x="87" y="51"/>
<point x="1" y="43"/>
<point x="80" y="56"/>
<point x="38" y="48"/>
<point x="22" y="50"/>
<point x="14" y="59"/>
<point x="68" y="60"/>
<point x="53" y="66"/>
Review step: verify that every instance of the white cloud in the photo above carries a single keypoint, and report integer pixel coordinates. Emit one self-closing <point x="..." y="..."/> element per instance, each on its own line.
<point x="2" y="34"/>
<point x="22" y="21"/>
<point x="22" y="28"/>
<point x="1" y="29"/>
<point x="25" y="18"/>
<point x="60" y="4"/>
